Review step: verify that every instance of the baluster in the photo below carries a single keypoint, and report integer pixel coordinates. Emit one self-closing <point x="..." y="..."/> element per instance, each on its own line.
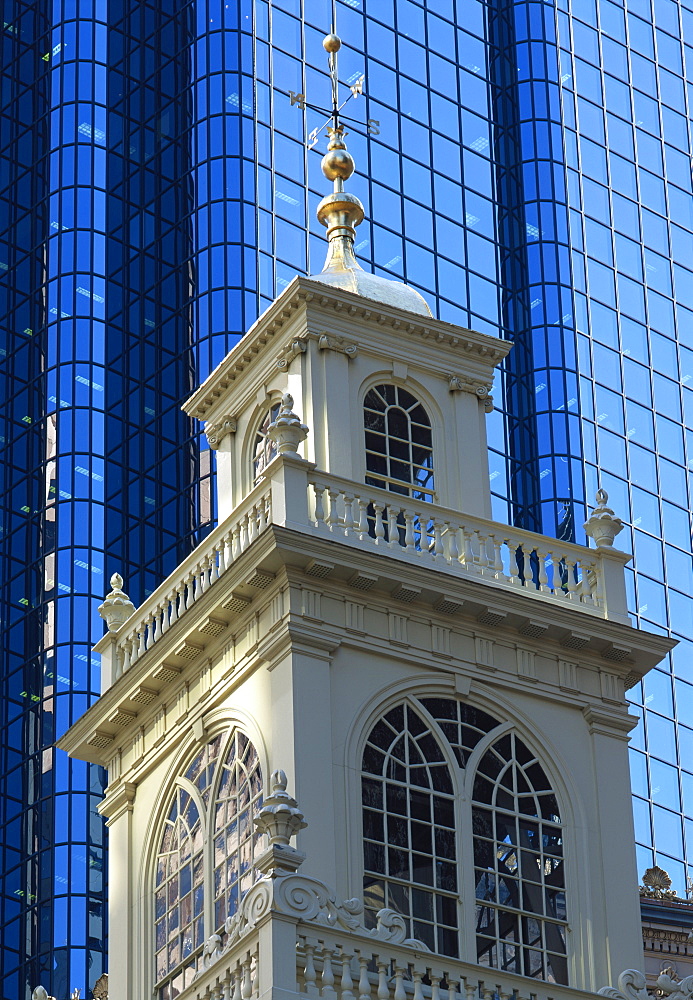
<point x="173" y="616"/>
<point x="333" y="517"/>
<point x="319" y="508"/>
<point x="435" y="987"/>
<point x="165" y="623"/>
<point x="222" y="556"/>
<point x="247" y="983"/>
<point x="347" y="983"/>
<point x="498" y="570"/>
<point x="126" y="654"/>
<point x="481" y="560"/>
<point x="327" y="979"/>
<point x="418" y="989"/>
<point x="592" y="585"/>
<point x="409" y="539"/>
<point x="400" y="993"/>
<point x="235" y="541"/>
<point x="188" y="592"/>
<point x="471" y="990"/>
<point x="244" y="533"/>
<point x="143" y="639"/>
<point x="309" y="974"/>
<point x="453" y="549"/>
<point x="117" y="662"/>
<point x="452" y="990"/>
<point x="383" y="989"/>
<point x="468" y="558"/>
<point x="252" y="525"/>
<point x="201" y="572"/>
<point x="262" y="515"/>
<point x="365" y="990"/>
<point x="378" y="511"/>
<point x="438" y="547"/>
<point x="349" y="523"/>
<point x="214" y="569"/>
<point x="237" y="976"/>
<point x="512" y="575"/>
<point x="149" y="630"/>
<point x="571" y="585"/>
<point x="363" y="518"/>
<point x="227" y="986"/>
<point x="543" y="575"/>
<point x="392" y="527"/>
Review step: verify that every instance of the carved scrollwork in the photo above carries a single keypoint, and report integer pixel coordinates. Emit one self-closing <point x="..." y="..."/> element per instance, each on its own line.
<point x="632" y="985"/>
<point x="330" y="342"/>
<point x="100" y="990"/>
<point x="216" y="430"/>
<point x="293" y="349"/>
<point x="392" y="927"/>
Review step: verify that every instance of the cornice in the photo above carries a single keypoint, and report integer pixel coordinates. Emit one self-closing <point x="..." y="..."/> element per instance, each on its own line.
<point x="298" y="295"/>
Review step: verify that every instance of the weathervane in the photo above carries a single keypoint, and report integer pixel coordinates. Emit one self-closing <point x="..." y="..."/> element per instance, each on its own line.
<point x="332" y="43"/>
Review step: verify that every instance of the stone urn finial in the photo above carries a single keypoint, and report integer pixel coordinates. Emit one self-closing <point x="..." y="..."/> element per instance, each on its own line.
<point x="281" y="819"/>
<point x="40" y="994"/>
<point x="603" y="525"/>
<point x="287" y="431"/>
<point x="117" y="607"/>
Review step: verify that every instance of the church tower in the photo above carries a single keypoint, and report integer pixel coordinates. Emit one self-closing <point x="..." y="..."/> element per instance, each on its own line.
<point x="366" y="741"/>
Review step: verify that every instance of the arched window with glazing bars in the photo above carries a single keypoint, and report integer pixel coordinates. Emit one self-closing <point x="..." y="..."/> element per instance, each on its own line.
<point x="426" y="819"/>
<point x="204" y="863"/>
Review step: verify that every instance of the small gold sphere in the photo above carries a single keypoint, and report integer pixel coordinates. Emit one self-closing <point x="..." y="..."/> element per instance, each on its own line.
<point x="332" y="43"/>
<point x="337" y="163"/>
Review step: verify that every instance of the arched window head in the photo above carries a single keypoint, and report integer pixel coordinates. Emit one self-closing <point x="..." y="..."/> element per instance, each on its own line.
<point x="205" y="860"/>
<point x="409" y="830"/>
<point x="518" y="858"/>
<point x="264" y="449"/>
<point x="417" y="826"/>
<point x="399" y="443"/>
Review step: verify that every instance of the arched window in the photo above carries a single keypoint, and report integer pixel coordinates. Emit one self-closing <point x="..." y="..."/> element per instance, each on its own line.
<point x="399" y="443"/>
<point x="417" y="833"/>
<point x="409" y="821"/>
<point x="204" y="863"/>
<point x="264" y="449"/>
<point x="518" y="858"/>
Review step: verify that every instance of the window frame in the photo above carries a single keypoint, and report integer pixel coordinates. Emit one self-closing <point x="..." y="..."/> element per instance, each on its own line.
<point x="228" y="733"/>
<point x="463" y="782"/>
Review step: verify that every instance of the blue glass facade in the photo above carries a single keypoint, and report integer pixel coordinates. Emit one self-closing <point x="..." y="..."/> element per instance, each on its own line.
<point x="529" y="174"/>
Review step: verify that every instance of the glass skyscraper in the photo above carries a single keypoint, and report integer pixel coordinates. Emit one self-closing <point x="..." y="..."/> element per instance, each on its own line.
<point x="527" y="168"/>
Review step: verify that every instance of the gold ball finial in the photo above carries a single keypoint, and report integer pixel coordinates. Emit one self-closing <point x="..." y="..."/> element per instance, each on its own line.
<point x="332" y="43"/>
<point x="337" y="163"/>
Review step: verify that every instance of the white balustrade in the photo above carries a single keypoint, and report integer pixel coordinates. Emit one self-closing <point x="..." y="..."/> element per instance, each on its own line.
<point x="195" y="575"/>
<point x="336" y="965"/>
<point x="367" y="517"/>
<point x="466" y="545"/>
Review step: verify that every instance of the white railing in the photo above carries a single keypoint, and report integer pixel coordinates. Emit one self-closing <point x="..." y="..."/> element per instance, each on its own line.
<point x="334" y="965"/>
<point x="405" y="528"/>
<point x="293" y="495"/>
<point x="192" y="578"/>
<point x="234" y="976"/>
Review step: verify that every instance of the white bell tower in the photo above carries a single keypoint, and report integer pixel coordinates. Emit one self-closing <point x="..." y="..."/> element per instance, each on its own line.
<point x="365" y="741"/>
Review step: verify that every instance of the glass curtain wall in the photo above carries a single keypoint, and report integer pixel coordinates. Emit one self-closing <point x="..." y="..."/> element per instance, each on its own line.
<point x="626" y="74"/>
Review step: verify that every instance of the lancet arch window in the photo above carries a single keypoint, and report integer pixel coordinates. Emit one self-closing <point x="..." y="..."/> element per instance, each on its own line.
<point x="446" y="787"/>
<point x="264" y="448"/>
<point x="204" y="863"/>
<point x="399" y="442"/>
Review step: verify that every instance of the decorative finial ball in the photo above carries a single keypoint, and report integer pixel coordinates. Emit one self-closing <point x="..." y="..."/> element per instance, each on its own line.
<point x="337" y="163"/>
<point x="332" y="43"/>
